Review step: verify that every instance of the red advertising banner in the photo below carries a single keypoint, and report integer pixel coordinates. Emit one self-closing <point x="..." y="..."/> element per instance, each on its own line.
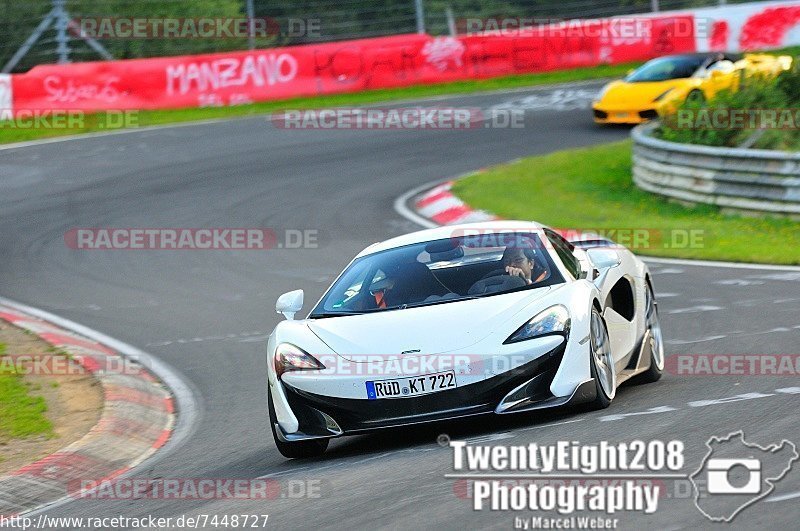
<point x="349" y="66"/>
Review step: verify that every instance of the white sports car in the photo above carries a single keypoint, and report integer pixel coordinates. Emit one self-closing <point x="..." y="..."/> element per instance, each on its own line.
<point x="485" y="318"/>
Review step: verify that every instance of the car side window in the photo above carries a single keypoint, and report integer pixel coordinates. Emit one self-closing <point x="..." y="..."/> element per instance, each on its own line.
<point x="564" y="251"/>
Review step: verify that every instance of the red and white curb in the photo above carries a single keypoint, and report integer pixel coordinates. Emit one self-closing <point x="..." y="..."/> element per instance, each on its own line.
<point x="138" y="418"/>
<point x="434" y="204"/>
<point x="441" y="206"/>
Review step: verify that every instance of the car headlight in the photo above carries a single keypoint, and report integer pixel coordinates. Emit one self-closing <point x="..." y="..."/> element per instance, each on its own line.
<point x="554" y="320"/>
<point x="661" y="96"/>
<point x="291" y="358"/>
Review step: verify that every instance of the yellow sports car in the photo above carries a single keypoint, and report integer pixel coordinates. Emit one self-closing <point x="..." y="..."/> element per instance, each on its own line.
<point x="659" y="86"/>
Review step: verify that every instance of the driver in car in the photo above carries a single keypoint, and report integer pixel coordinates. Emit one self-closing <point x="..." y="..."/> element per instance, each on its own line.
<point x="521" y="262"/>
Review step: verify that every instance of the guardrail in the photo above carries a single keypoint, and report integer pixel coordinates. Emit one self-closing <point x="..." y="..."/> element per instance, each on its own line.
<point x="752" y="180"/>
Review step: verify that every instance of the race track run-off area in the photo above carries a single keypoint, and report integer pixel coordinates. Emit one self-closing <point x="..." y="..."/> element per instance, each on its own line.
<point x="207" y="313"/>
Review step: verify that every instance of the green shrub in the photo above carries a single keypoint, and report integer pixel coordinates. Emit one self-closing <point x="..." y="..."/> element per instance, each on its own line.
<point x="789" y="83"/>
<point x="756" y="94"/>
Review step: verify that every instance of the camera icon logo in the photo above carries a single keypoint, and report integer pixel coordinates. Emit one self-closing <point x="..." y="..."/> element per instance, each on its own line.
<point x="736" y="474"/>
<point x="720" y="472"/>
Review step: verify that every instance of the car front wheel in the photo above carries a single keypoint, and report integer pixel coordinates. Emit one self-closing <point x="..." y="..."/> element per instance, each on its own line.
<point x="601" y="362"/>
<point x="653" y="324"/>
<point x="294" y="449"/>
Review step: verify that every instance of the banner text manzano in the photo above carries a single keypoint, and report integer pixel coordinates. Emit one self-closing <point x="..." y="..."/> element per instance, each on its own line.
<point x="289" y="72"/>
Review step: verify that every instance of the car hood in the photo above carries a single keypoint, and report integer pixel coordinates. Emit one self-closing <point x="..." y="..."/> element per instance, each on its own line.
<point x="640" y="94"/>
<point x="434" y="329"/>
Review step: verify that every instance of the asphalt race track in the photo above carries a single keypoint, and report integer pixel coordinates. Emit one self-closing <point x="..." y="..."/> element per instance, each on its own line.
<point x="208" y="313"/>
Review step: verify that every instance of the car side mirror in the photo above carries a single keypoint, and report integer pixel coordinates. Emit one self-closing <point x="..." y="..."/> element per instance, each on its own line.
<point x="290" y="303"/>
<point x="604" y="258"/>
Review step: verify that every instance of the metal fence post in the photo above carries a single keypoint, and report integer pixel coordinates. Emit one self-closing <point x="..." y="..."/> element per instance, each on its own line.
<point x="29" y="42"/>
<point x="59" y="19"/>
<point x="451" y="21"/>
<point x="251" y="28"/>
<point x="420" y="16"/>
<point x="62" y="38"/>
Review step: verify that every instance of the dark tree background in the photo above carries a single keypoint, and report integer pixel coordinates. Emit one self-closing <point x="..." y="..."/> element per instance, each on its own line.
<point x="335" y="20"/>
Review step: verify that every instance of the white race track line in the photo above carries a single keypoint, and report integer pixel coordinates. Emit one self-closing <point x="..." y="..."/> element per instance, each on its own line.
<point x="711" y="263"/>
<point x="401" y="205"/>
<point x="783" y="497"/>
<point x="84" y="136"/>
<point x="402" y="208"/>
<point x="187" y="409"/>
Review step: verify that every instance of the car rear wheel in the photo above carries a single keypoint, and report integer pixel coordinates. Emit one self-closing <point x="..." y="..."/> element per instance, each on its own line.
<point x="295" y="449"/>
<point x="601" y="362"/>
<point x="653" y="325"/>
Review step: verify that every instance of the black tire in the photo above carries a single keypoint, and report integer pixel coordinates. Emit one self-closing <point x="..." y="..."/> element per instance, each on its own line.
<point x="297" y="449"/>
<point x="654" y="372"/>
<point x="696" y="96"/>
<point x="602" y="399"/>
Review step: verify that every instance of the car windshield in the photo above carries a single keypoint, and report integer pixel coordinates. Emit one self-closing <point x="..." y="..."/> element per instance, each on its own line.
<point x="440" y="271"/>
<point x="667" y="68"/>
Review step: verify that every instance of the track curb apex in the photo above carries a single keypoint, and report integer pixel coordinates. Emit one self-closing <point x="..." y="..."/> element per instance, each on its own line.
<point x="137" y="419"/>
<point x="433" y="204"/>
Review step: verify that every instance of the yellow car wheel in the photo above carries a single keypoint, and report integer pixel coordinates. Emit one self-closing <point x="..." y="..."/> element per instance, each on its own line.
<point x="695" y="96"/>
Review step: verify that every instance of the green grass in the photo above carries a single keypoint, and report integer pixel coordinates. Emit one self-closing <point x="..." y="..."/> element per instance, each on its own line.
<point x="794" y="51"/>
<point x="591" y="188"/>
<point x="21" y="415"/>
<point x="99" y="122"/>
